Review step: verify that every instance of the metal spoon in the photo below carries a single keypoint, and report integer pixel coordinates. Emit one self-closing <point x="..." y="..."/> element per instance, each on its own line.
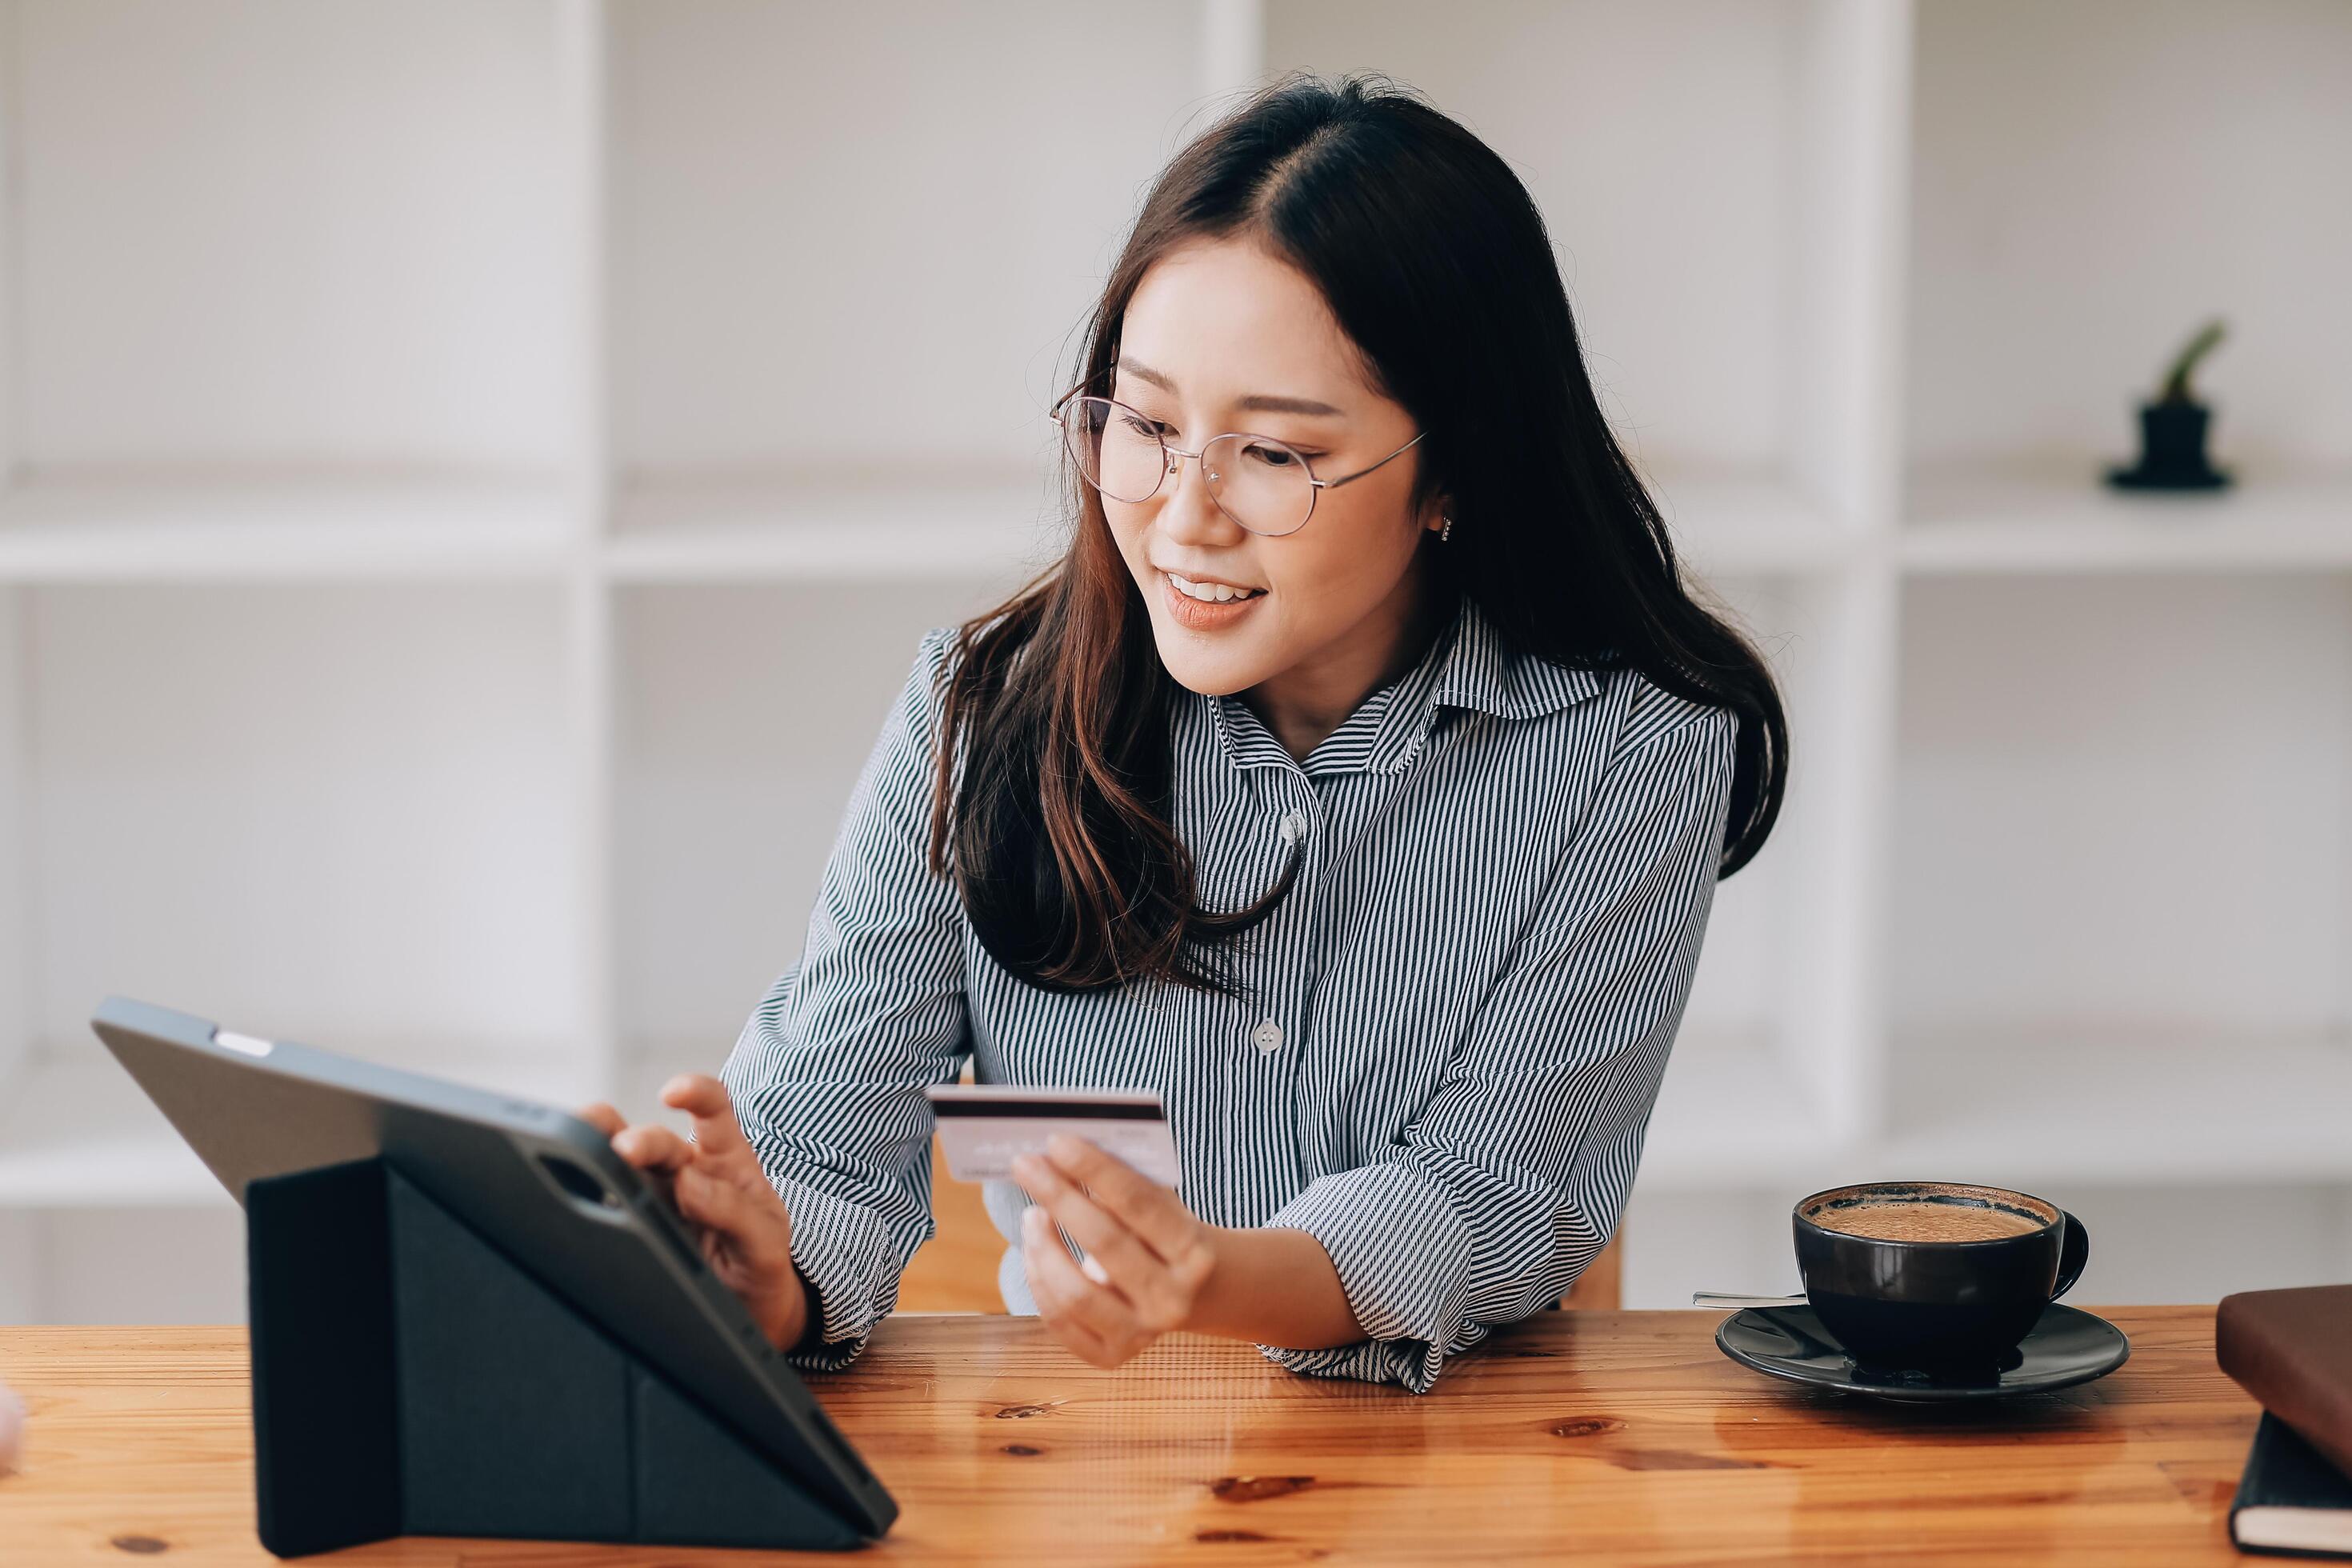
<point x="1729" y="1298"/>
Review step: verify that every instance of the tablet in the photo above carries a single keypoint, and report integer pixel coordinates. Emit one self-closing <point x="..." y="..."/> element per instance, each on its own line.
<point x="541" y="1184"/>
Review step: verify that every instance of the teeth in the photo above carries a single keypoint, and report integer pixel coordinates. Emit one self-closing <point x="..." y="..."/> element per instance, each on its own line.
<point x="1214" y="593"/>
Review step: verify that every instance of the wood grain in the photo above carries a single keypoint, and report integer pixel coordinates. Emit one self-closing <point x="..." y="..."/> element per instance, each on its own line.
<point x="1604" y="1437"/>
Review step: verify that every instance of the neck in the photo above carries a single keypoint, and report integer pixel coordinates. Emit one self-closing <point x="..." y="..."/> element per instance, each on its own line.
<point x="1304" y="704"/>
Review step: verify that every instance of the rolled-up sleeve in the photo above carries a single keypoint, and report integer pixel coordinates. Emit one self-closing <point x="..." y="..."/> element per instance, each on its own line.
<point x="1513" y="1173"/>
<point x="827" y="1078"/>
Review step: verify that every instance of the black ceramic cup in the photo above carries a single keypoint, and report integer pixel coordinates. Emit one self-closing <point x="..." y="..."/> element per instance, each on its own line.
<point x="1939" y="1286"/>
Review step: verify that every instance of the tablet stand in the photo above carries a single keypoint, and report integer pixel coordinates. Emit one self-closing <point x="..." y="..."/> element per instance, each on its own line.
<point x="408" y="1379"/>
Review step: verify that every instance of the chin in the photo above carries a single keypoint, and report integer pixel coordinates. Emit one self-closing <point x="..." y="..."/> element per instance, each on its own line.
<point x="1211" y="671"/>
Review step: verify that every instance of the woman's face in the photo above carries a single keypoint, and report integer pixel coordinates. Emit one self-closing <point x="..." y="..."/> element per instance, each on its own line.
<point x="1222" y="337"/>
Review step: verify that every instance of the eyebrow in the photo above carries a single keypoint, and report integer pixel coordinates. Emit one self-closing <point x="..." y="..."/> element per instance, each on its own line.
<point x="1256" y="401"/>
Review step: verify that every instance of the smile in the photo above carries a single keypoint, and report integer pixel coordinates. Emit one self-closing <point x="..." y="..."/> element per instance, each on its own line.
<point x="1211" y="593"/>
<point x="1204" y="615"/>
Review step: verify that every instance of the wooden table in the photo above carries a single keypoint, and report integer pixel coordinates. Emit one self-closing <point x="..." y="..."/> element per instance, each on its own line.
<point x="1610" y="1437"/>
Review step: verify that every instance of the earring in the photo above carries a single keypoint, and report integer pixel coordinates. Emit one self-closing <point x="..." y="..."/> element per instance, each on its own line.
<point x="1445" y="534"/>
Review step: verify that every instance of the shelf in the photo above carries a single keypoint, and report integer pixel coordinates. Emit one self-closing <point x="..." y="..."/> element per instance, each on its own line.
<point x="78" y="1132"/>
<point x="2098" y="1107"/>
<point x="1994" y="523"/>
<point x="769" y="530"/>
<point x="2082" y="199"/>
<point x="450" y="595"/>
<point x="261" y="529"/>
<point x="406" y="528"/>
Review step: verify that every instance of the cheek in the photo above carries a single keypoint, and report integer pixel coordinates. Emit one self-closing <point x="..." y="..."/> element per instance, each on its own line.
<point x="1337" y="571"/>
<point x="1129" y="529"/>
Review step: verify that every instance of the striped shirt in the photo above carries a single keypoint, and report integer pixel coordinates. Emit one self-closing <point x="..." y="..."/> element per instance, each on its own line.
<point x="1454" y="1027"/>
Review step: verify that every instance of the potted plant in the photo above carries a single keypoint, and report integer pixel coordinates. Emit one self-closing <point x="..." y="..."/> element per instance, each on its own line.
<point x="2172" y="429"/>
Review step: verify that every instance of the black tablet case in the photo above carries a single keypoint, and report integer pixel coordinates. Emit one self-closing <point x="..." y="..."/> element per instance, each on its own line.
<point x="409" y="1380"/>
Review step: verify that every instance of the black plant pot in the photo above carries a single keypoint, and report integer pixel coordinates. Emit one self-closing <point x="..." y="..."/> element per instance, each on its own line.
<point x="2171" y="450"/>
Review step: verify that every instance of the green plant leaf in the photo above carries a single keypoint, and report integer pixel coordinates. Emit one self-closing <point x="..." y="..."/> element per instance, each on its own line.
<point x="2176" y="380"/>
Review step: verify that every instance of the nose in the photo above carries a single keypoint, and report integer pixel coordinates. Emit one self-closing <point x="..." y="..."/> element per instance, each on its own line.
<point x="1188" y="512"/>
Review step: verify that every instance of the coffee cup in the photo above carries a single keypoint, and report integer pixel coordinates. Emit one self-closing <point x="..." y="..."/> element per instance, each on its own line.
<point x="1934" y="1275"/>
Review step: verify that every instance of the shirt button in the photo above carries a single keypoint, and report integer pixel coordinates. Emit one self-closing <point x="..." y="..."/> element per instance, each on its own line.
<point x="1294" y="826"/>
<point x="1268" y="1035"/>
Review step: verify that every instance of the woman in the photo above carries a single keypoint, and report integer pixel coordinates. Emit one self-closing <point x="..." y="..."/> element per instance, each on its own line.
<point x="1358" y="781"/>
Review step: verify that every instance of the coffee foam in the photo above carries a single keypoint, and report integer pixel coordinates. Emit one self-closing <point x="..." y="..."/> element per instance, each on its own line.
<point x="1929" y="1212"/>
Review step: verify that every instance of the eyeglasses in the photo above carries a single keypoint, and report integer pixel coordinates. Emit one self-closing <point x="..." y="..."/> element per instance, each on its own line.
<point x="1263" y="484"/>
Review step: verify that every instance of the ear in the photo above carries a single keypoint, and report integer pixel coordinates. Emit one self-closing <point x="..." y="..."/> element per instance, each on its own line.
<point x="1433" y="516"/>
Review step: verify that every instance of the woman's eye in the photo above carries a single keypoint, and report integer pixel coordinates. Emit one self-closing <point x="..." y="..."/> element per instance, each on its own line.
<point x="1274" y="457"/>
<point x="1142" y="426"/>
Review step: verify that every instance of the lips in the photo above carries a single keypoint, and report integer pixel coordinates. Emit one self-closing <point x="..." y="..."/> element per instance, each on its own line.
<point x="1202" y="615"/>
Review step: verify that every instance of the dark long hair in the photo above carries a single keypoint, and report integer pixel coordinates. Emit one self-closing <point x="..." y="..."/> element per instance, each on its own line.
<point x="1437" y="264"/>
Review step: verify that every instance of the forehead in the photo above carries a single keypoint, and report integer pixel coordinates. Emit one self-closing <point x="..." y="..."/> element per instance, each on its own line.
<point x="1224" y="319"/>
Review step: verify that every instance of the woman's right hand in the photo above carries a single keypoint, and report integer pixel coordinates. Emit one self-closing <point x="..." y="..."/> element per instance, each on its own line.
<point x="718" y="1185"/>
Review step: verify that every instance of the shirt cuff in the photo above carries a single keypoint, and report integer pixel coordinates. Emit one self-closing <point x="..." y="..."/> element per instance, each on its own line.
<point x="1403" y="1260"/>
<point x="844" y="1250"/>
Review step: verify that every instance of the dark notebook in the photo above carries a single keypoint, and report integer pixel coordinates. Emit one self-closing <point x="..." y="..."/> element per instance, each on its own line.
<point x="2291" y="1500"/>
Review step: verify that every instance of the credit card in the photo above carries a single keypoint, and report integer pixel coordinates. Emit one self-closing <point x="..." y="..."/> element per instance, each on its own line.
<point x="984" y="1126"/>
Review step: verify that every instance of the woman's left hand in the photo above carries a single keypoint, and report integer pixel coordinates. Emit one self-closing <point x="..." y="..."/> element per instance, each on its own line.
<point x="1146" y="1256"/>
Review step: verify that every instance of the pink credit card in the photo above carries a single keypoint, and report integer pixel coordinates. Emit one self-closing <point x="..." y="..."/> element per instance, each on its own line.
<point x="984" y="1126"/>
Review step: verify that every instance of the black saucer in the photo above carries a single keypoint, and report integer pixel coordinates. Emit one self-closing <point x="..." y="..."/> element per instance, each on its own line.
<point x="2066" y="1347"/>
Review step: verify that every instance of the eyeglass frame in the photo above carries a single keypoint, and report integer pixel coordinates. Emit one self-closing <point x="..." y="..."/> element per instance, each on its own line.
<point x="1172" y="456"/>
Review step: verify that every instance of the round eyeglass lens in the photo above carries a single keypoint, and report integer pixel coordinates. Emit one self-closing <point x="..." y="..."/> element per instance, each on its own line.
<point x="1118" y="452"/>
<point x="1261" y="483"/>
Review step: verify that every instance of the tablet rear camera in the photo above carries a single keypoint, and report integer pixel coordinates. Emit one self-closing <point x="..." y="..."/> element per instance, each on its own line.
<point x="581" y="1184"/>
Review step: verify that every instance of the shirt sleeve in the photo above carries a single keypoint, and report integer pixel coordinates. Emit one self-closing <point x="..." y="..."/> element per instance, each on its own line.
<point x="1513" y="1174"/>
<point x="827" y="1078"/>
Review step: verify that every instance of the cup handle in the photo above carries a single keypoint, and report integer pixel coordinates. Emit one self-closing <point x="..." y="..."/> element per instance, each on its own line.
<point x="2073" y="1253"/>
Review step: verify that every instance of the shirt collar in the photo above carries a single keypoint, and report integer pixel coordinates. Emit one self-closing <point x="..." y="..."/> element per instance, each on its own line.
<point x="1467" y="665"/>
<point x="1482" y="671"/>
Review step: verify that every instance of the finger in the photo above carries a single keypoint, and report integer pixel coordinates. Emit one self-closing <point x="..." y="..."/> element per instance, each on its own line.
<point x="1143" y="1204"/>
<point x="1054" y="1303"/>
<point x="704" y="1098"/>
<point x="1093" y="1306"/>
<point x="653" y="1148"/>
<point x="727" y="1209"/>
<point x="602" y="1118"/>
<point x="1079" y="1340"/>
<point x="1139" y="1274"/>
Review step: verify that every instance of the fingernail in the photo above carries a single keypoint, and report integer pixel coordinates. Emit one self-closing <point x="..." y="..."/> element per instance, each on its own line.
<point x="1062" y="1146"/>
<point x="1093" y="1269"/>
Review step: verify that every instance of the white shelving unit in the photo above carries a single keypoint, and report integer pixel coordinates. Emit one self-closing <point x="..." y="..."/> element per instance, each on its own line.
<point x="467" y="509"/>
